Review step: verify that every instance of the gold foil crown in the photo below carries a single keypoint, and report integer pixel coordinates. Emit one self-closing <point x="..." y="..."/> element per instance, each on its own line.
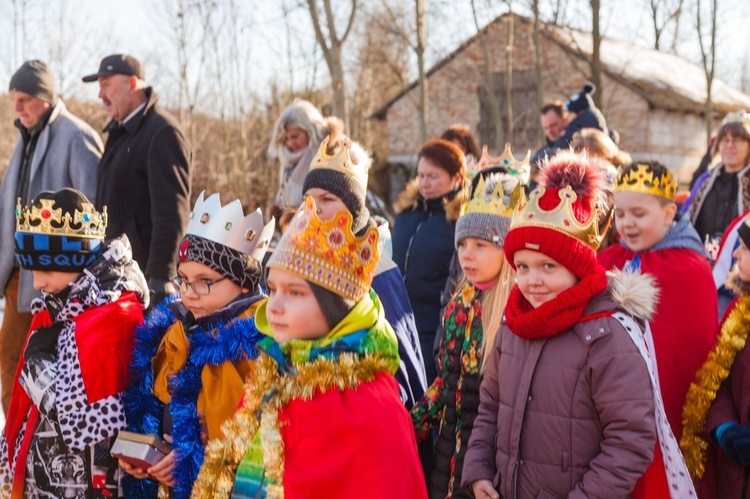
<point x="496" y="202"/>
<point x="340" y="161"/>
<point x="562" y="217"/>
<point x="327" y="253"/>
<point x="642" y="179"/>
<point x="520" y="169"/>
<point x="87" y="223"/>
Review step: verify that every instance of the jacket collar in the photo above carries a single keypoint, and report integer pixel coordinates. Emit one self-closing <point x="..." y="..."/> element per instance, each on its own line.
<point x="134" y="123"/>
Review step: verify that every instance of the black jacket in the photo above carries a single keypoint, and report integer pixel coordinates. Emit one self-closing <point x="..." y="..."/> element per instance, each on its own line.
<point x="144" y="181"/>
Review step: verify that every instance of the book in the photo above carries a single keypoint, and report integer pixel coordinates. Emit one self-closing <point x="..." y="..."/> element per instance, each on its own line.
<point x="141" y="451"/>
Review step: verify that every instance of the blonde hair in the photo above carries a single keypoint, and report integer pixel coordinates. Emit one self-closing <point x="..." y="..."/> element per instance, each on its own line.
<point x="598" y="144"/>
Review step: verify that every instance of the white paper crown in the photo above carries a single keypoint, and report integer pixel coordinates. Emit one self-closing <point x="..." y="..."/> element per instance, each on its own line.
<point x="229" y="226"/>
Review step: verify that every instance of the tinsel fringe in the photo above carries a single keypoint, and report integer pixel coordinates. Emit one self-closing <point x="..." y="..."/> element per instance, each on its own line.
<point x="265" y="394"/>
<point x="709" y="378"/>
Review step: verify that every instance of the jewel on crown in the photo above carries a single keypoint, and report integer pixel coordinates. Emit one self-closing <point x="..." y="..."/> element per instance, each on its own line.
<point x="738" y="117"/>
<point x="496" y="202"/>
<point x="520" y="169"/>
<point x="340" y="161"/>
<point x="327" y="252"/>
<point x="642" y="179"/>
<point x="87" y="223"/>
<point x="562" y="217"/>
<point x="229" y="226"/>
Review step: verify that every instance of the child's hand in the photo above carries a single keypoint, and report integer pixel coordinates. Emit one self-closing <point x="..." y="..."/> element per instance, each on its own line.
<point x="132" y="470"/>
<point x="483" y="489"/>
<point x="162" y="471"/>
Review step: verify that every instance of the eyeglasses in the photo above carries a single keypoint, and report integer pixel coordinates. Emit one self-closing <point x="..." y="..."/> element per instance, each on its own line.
<point x="199" y="287"/>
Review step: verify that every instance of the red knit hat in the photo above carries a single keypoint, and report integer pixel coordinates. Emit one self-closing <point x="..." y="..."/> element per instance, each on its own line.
<point x="561" y="218"/>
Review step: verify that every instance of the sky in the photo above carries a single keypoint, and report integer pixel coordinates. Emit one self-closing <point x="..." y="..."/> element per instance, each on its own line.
<point x="274" y="38"/>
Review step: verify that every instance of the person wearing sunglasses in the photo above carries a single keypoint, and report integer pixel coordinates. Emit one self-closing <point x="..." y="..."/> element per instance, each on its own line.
<point x="193" y="352"/>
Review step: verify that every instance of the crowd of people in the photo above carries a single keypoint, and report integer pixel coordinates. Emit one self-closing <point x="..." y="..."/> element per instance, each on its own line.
<point x="545" y="327"/>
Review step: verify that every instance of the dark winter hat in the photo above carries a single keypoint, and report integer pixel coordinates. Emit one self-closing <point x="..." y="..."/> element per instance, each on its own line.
<point x="334" y="306"/>
<point x="238" y="267"/>
<point x="61" y="231"/>
<point x="118" y="64"/>
<point x="744" y="231"/>
<point x="489" y="212"/>
<point x="582" y="100"/>
<point x="34" y="78"/>
<point x="343" y="174"/>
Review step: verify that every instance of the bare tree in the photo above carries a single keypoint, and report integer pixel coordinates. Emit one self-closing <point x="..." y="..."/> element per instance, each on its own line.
<point x="488" y="81"/>
<point x="332" y="46"/>
<point x="596" y="63"/>
<point x="665" y="14"/>
<point x="707" y="29"/>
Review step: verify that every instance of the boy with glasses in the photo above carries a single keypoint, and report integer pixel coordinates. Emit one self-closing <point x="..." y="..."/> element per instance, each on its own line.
<point x="193" y="353"/>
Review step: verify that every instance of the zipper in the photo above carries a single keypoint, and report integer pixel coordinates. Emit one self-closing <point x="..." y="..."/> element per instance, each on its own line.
<point x="408" y="249"/>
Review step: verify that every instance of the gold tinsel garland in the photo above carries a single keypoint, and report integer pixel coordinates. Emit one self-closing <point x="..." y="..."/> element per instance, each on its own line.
<point x="709" y="378"/>
<point x="266" y="392"/>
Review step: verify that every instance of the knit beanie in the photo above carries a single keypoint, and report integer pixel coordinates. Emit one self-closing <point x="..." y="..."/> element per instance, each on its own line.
<point x="60" y="232"/>
<point x="225" y="240"/>
<point x="744" y="231"/>
<point x="343" y="174"/>
<point x="487" y="216"/>
<point x="35" y="79"/>
<point x="561" y="218"/>
<point x="582" y="100"/>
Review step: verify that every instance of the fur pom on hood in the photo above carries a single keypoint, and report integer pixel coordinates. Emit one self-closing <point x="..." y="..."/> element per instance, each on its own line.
<point x="409" y="200"/>
<point x="735" y="284"/>
<point x="636" y="293"/>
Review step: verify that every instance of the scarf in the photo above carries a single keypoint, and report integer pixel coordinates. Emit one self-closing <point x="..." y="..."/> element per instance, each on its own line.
<point x="557" y="315"/>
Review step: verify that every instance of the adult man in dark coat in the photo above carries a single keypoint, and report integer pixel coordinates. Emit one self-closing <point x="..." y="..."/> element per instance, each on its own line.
<point x="54" y="149"/>
<point x="144" y="174"/>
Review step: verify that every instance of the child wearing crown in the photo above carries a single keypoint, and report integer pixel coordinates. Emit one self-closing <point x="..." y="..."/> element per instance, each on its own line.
<point x="192" y="354"/>
<point x="339" y="182"/>
<point x="716" y="408"/>
<point x="66" y="407"/>
<point x="568" y="399"/>
<point x="657" y="241"/>
<point x="321" y="414"/>
<point x="470" y="322"/>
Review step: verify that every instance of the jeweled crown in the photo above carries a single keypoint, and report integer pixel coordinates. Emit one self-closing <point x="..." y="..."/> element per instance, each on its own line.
<point x="738" y="117"/>
<point x="495" y="203"/>
<point x="340" y="161"/>
<point x="562" y="217"/>
<point x="87" y="223"/>
<point x="521" y="169"/>
<point x="327" y="252"/>
<point x="229" y="226"/>
<point x="642" y="179"/>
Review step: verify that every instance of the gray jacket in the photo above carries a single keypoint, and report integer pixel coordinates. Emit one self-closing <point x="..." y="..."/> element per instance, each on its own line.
<point x="66" y="155"/>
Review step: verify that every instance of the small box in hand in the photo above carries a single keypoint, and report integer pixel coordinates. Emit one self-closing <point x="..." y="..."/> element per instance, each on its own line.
<point x="141" y="451"/>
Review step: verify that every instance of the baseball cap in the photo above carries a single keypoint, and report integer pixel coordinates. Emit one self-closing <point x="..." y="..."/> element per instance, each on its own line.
<point x="121" y="64"/>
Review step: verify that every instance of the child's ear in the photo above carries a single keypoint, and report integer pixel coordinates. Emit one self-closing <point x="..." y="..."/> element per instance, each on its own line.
<point x="670" y="210"/>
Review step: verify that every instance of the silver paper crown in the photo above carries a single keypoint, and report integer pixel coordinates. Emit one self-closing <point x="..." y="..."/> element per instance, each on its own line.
<point x="229" y="226"/>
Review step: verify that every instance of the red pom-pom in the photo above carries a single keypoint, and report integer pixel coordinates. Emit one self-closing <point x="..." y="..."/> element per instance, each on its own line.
<point x="574" y="169"/>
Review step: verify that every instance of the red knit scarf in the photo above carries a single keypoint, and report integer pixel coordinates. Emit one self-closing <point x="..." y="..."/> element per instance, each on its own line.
<point x="557" y="315"/>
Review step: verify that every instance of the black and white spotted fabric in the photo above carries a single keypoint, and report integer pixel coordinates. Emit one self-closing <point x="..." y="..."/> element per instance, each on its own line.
<point x="680" y="484"/>
<point x="238" y="267"/>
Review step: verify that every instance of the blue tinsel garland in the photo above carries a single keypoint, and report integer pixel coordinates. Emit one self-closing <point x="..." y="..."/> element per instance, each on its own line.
<point x="215" y="345"/>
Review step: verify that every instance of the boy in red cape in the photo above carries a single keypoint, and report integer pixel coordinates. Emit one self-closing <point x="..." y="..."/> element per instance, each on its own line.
<point x="655" y="240"/>
<point x="66" y="405"/>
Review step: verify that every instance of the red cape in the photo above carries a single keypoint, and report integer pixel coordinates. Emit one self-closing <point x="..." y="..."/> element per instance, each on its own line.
<point x="684" y="327"/>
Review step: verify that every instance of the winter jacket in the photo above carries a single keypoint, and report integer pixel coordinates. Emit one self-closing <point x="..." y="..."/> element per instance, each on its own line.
<point x="571" y="415"/>
<point x="452" y="401"/>
<point x="144" y="181"/>
<point x="66" y="154"/>
<point x="67" y="406"/>
<point x="423" y="244"/>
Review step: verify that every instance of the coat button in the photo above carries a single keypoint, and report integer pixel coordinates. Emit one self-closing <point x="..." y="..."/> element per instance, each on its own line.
<point x="588" y="337"/>
<point x="601" y="329"/>
<point x="529" y="398"/>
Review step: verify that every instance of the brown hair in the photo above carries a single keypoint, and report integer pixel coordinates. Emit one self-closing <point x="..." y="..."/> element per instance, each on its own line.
<point x="555" y="106"/>
<point x="445" y="155"/>
<point x="736" y="129"/>
<point x="598" y="143"/>
<point x="462" y="135"/>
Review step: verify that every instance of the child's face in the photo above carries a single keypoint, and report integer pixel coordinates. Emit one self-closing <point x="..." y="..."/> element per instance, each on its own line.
<point x="642" y="220"/>
<point x="327" y="204"/>
<point x="742" y="255"/>
<point x="52" y="281"/>
<point x="292" y="310"/>
<point x="219" y="295"/>
<point x="541" y="278"/>
<point x="480" y="260"/>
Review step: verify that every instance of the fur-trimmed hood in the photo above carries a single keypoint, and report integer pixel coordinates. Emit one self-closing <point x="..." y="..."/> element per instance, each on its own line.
<point x="636" y="293"/>
<point x="735" y="284"/>
<point x="410" y="199"/>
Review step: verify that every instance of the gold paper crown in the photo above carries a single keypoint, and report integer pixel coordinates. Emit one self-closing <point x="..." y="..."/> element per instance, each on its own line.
<point x="38" y="220"/>
<point x="642" y="179"/>
<point x="494" y="203"/>
<point x="738" y="117"/>
<point x="340" y="162"/>
<point x="521" y="169"/>
<point x="561" y="217"/>
<point x="327" y="253"/>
